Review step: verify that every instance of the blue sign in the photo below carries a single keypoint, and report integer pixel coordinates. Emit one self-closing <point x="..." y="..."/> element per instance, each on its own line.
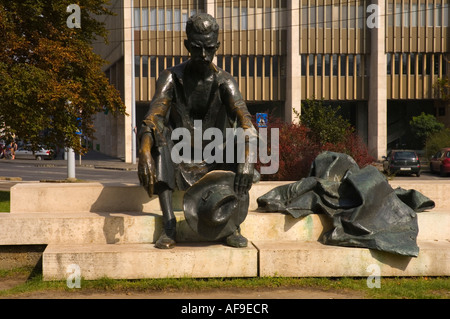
<point x="262" y="119"/>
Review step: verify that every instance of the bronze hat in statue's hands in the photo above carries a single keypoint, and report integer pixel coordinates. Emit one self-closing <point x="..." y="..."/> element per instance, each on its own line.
<point x="212" y="208"/>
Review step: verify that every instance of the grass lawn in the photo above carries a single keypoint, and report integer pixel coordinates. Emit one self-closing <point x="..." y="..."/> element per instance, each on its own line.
<point x="4" y="202"/>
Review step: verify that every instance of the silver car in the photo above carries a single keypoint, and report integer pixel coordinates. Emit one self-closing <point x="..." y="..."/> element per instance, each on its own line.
<point x="25" y="152"/>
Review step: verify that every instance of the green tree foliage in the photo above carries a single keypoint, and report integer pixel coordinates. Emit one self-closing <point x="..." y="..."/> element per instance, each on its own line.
<point x="437" y="141"/>
<point x="49" y="74"/>
<point x="324" y="122"/>
<point x="423" y="126"/>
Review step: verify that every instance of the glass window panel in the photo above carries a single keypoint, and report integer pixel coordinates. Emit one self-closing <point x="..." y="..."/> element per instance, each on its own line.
<point x="327" y="65"/>
<point x="311" y="65"/>
<point x="438" y="15"/>
<point x="328" y="16"/>
<point x="414" y="15"/>
<point x="336" y="16"/>
<point x="397" y="63"/>
<point x="390" y="14"/>
<point x="259" y="63"/>
<point x="350" y="65"/>
<point x="405" y="63"/>
<point x="153" y="19"/>
<point x="304" y="22"/>
<point x="344" y="17"/>
<point x="420" y="63"/>
<point x="153" y="66"/>
<point x="275" y="66"/>
<point x="358" y="65"/>
<point x="145" y="19"/>
<point x="343" y="65"/>
<point x="267" y="66"/>
<point x="446" y="10"/>
<point x="161" y="19"/>
<point x="145" y="66"/>
<point x="428" y="65"/>
<point x="335" y="65"/>
<point x="137" y="19"/>
<point x="169" y="22"/>
<point x="423" y="13"/>
<point x="304" y="64"/>
<point x="251" y="66"/>
<point x="236" y="66"/>
<point x="430" y="14"/>
<point x="320" y="16"/>
<point x="412" y="64"/>
<point x="312" y="17"/>
<point x="406" y="14"/>
<point x="177" y="20"/>
<point x="398" y="14"/>
<point x="319" y="64"/>
<point x="244" y="19"/>
<point x="137" y="66"/>
<point x="361" y="17"/>
<point x="243" y="66"/>
<point x="352" y="18"/>
<point x="388" y="63"/>
<point x="268" y="18"/>
<point x="436" y="64"/>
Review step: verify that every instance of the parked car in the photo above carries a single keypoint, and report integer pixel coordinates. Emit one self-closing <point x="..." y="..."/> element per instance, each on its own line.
<point x="26" y="152"/>
<point x="402" y="162"/>
<point x="440" y="162"/>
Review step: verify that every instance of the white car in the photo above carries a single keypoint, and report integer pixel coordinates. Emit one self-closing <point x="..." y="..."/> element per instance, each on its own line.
<point x="25" y="152"/>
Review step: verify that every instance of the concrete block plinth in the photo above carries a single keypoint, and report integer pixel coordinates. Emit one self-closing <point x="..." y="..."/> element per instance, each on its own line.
<point x="138" y="261"/>
<point x="314" y="259"/>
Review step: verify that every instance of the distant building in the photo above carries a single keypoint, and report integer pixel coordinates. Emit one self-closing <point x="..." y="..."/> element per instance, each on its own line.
<point x="379" y="63"/>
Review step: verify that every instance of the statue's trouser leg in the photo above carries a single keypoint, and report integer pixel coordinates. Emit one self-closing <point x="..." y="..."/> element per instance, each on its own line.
<point x="167" y="238"/>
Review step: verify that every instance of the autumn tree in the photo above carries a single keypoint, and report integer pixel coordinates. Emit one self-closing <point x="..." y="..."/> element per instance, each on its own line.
<point x="51" y="82"/>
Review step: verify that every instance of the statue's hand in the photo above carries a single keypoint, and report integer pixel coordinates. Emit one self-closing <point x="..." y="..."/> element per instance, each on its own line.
<point x="146" y="166"/>
<point x="244" y="178"/>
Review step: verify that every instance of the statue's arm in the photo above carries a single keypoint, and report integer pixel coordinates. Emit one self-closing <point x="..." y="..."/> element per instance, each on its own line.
<point x="237" y="108"/>
<point x="151" y="132"/>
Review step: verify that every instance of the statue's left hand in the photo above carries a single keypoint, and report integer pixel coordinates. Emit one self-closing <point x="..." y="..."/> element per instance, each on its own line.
<point x="244" y="178"/>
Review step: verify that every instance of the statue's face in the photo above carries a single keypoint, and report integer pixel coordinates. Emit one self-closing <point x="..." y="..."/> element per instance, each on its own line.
<point x="202" y="47"/>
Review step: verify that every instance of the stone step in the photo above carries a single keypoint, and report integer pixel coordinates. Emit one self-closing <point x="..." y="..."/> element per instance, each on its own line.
<point x="95" y="197"/>
<point x="128" y="228"/>
<point x="313" y="259"/>
<point x="262" y="258"/>
<point x="138" y="261"/>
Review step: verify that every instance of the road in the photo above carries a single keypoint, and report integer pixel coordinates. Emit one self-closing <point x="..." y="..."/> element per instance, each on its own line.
<point x="103" y="171"/>
<point x="56" y="170"/>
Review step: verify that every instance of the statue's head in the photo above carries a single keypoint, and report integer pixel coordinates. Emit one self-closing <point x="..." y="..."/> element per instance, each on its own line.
<point x="202" y="38"/>
<point x="202" y="23"/>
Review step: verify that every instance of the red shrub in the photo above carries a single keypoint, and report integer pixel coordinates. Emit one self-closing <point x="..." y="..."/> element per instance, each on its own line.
<point x="297" y="151"/>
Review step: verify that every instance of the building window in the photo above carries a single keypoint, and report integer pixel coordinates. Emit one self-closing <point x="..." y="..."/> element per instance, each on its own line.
<point x="304" y="58"/>
<point x="145" y="66"/>
<point x="388" y="63"/>
<point x="350" y="65"/>
<point x="397" y="63"/>
<point x="412" y="63"/>
<point x="430" y="15"/>
<point x="137" y="66"/>
<point x="311" y="65"/>
<point x="414" y="15"/>
<point x="335" y="65"/>
<point x="423" y="13"/>
<point x="327" y="65"/>
<point x="343" y="65"/>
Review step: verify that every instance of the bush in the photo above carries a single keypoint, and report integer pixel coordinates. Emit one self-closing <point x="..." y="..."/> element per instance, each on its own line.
<point x="423" y="126"/>
<point x="437" y="141"/>
<point x="297" y="150"/>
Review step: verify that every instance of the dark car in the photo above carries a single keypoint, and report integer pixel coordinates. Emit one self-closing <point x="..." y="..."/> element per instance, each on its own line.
<point x="402" y="162"/>
<point x="440" y="162"/>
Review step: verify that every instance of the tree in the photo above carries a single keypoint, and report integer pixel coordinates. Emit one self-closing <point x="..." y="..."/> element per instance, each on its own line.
<point x="51" y="82"/>
<point x="423" y="126"/>
<point x="324" y="122"/>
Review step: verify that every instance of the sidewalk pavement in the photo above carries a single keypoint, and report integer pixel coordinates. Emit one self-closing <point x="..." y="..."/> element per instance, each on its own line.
<point x="92" y="159"/>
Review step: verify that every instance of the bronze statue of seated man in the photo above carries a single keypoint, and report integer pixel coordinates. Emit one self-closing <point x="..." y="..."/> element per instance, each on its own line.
<point x="193" y="91"/>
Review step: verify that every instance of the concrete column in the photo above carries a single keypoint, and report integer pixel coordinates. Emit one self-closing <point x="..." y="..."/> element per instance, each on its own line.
<point x="293" y="80"/>
<point x="128" y="71"/>
<point x="377" y="109"/>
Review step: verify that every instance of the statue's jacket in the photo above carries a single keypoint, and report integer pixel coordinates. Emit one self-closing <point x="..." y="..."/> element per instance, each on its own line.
<point x="170" y="109"/>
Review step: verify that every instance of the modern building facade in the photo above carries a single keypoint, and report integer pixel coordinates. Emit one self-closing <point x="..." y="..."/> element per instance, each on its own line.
<point x="377" y="59"/>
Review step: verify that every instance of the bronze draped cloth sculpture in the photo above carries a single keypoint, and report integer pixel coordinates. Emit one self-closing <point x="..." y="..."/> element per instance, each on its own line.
<point x="366" y="211"/>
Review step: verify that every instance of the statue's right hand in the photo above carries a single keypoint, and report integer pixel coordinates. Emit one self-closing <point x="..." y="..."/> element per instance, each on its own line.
<point x="146" y="165"/>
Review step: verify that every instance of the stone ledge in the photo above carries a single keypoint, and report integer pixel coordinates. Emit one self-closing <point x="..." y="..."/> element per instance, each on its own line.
<point x="139" y="261"/>
<point x="127" y="228"/>
<point x="313" y="259"/>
